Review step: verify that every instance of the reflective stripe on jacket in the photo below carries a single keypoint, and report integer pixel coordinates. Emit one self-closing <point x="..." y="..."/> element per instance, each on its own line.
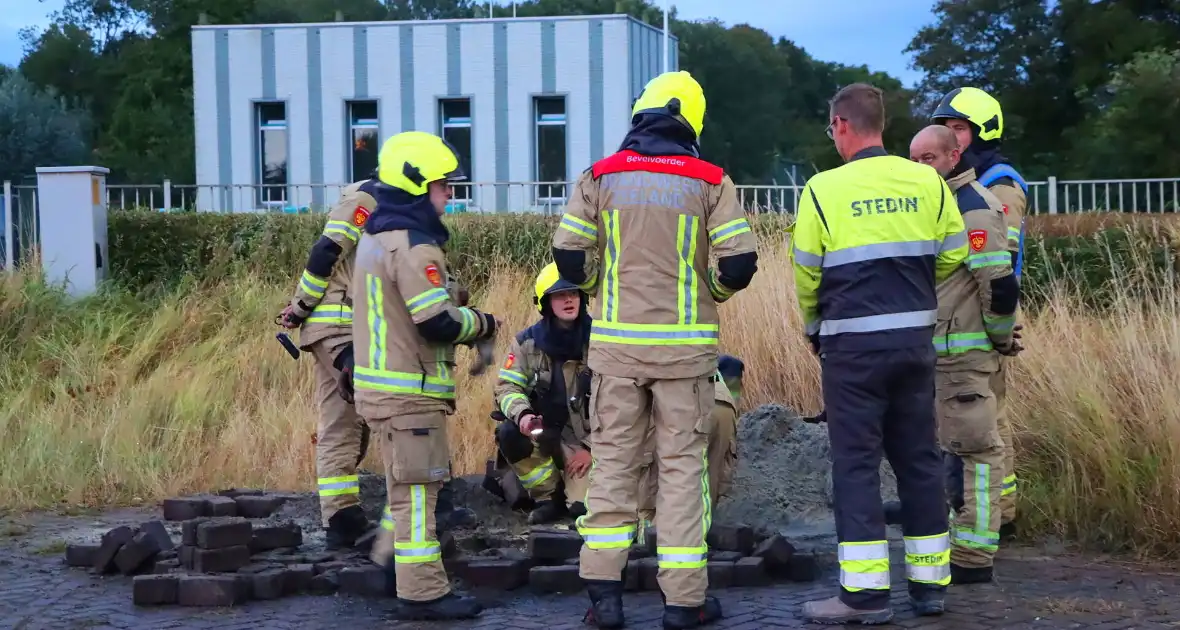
<point x="653" y="223"/>
<point x="871" y="241"/>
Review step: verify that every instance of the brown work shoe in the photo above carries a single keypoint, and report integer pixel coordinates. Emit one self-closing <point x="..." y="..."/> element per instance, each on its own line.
<point x="832" y="611"/>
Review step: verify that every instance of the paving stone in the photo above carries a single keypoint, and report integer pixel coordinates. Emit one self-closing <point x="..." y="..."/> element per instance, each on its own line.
<point x="210" y="590"/>
<point x="720" y="574"/>
<point x="731" y="538"/>
<point x="631" y="576"/>
<point x="234" y="493"/>
<point x="217" y="534"/>
<point x="137" y="553"/>
<point x="186" y="556"/>
<point x="220" y="506"/>
<point x="188" y="530"/>
<point x="777" y="552"/>
<point x="157" y="531"/>
<point x="298" y="578"/>
<point x="649" y="570"/>
<point x="252" y="506"/>
<point x="154" y="590"/>
<point x="112" y="542"/>
<point x="803" y="568"/>
<point x="169" y="554"/>
<point x="275" y="537"/>
<point x="81" y="555"/>
<point x="499" y="574"/>
<point x="269" y="584"/>
<point x="222" y="560"/>
<point x="725" y="556"/>
<point x="556" y="579"/>
<point x="366" y="581"/>
<point x="547" y="545"/>
<point x="185" y="508"/>
<point x="324" y="583"/>
<point x="750" y="572"/>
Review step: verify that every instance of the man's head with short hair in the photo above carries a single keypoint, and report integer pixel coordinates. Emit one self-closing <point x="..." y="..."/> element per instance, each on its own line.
<point x="856" y="118"/>
<point x="936" y="146"/>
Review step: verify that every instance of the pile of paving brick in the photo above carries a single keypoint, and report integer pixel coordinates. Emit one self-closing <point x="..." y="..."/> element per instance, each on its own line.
<point x="231" y="551"/>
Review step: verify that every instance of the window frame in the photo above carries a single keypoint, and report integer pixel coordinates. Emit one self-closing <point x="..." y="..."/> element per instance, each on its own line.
<point x="350" y="127"/>
<point x="262" y="189"/>
<point x="536" y="125"/>
<point x="463" y="189"/>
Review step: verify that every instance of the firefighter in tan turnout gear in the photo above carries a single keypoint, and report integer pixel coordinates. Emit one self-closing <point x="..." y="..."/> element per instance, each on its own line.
<point x="978" y="122"/>
<point x="639" y="228"/>
<point x="976" y="311"/>
<point x="405" y="331"/>
<point x="322" y="310"/>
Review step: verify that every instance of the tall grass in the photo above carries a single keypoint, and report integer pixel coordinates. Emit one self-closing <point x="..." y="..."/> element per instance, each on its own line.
<point x="115" y="399"/>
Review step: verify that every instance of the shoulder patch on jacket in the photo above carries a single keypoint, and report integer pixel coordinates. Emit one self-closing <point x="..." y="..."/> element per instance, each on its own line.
<point x="510" y="361"/>
<point x="433" y="275"/>
<point x="682" y="165"/>
<point x="360" y="215"/>
<point x="978" y="239"/>
<point x="969" y="199"/>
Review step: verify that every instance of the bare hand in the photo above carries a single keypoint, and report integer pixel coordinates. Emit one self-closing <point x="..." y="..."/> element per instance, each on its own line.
<point x="579" y="464"/>
<point x="529" y="423"/>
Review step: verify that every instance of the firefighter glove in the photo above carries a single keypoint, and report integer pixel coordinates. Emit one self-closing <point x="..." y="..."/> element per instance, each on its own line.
<point x="346" y="364"/>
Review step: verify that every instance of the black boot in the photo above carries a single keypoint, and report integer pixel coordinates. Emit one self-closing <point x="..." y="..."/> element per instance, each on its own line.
<point x="606" y="603"/>
<point x="345" y="527"/>
<point x="577" y="510"/>
<point x="929" y="604"/>
<point x="973" y="575"/>
<point x="682" y="617"/>
<point x="390" y="572"/>
<point x="445" y="608"/>
<point x="892" y="512"/>
<point x="548" y="511"/>
<point x="1008" y="531"/>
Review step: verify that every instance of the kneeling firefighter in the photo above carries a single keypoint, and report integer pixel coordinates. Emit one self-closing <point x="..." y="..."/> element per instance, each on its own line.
<point x="403" y="359"/>
<point x="542" y="398"/>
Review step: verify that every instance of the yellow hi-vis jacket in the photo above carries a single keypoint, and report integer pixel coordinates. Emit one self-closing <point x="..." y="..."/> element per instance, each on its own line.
<point x="871" y="241"/>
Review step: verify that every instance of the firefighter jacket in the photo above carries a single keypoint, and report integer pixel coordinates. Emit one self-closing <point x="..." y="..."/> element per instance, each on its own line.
<point x="407" y="324"/>
<point x="976" y="303"/>
<point x="322" y="296"/>
<point x="871" y="241"/>
<point x="995" y="174"/>
<point x="652" y="214"/>
<point x="531" y="380"/>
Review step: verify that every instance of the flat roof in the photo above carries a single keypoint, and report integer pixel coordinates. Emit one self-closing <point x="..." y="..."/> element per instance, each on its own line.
<point x="555" y="18"/>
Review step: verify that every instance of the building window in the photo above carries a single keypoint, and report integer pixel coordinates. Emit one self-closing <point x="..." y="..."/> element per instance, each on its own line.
<point x="550" y="151"/>
<point x="272" y="152"/>
<point x="455" y="122"/>
<point x="363" y="129"/>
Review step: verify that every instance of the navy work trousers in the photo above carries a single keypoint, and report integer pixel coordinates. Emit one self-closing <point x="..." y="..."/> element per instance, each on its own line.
<point x="882" y="402"/>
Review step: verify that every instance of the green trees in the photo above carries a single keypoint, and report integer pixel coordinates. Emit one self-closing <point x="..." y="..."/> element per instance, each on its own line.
<point x="37" y="128"/>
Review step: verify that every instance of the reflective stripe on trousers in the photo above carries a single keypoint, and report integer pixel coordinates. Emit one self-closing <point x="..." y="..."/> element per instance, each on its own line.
<point x="336" y="486"/>
<point x="538" y="475"/>
<point x="928" y="559"/>
<point x="980" y="537"/>
<point x="864" y="565"/>
<point x="421" y="548"/>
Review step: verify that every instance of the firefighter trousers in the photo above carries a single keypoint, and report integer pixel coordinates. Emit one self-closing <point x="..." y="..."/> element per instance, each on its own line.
<point x="339" y="437"/>
<point x="722" y="464"/>
<point x="621" y="411"/>
<point x="999" y="387"/>
<point x="882" y="402"/>
<point x="537" y="472"/>
<point x="970" y="437"/>
<point x="417" y="464"/>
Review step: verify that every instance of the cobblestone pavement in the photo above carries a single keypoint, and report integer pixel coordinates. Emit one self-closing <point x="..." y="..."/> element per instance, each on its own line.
<point x="1031" y="592"/>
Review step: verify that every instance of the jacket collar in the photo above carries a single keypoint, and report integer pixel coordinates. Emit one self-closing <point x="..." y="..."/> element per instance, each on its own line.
<point x="869" y="152"/>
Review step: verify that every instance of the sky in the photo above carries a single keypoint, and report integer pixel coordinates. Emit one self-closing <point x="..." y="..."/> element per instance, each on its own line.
<point x="855" y="32"/>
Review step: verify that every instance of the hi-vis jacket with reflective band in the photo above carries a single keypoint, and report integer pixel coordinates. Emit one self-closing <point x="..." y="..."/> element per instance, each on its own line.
<point x="399" y="283"/>
<point x="1010" y="188"/>
<point x="968" y="330"/>
<point x="525" y="371"/>
<point x="871" y="241"/>
<point x="322" y="294"/>
<point x="653" y="222"/>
